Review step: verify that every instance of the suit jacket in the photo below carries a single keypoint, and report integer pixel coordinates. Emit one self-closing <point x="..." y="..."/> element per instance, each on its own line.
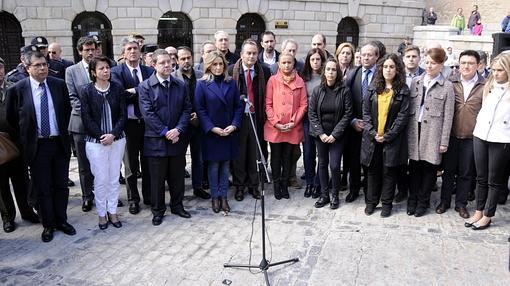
<point x="261" y="58"/>
<point x="21" y="114"/>
<point x="92" y="110"/>
<point x="218" y="106"/>
<point x="122" y="76"/>
<point x="163" y="110"/>
<point x="76" y="78"/>
<point x="353" y="81"/>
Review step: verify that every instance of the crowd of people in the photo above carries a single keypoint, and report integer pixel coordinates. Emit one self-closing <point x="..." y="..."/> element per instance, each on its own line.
<point x="358" y="113"/>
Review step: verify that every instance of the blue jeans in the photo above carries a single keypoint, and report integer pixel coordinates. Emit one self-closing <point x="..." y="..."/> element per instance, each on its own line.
<point x="309" y="155"/>
<point x="218" y="172"/>
<point x="196" y="157"/>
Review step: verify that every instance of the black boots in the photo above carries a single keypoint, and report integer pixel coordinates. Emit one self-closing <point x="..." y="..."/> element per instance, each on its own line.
<point x="277" y="190"/>
<point x="324" y="200"/>
<point x="308" y="191"/>
<point x="335" y="202"/>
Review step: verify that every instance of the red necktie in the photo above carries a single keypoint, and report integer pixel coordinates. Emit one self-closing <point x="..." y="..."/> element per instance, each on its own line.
<point x="249" y="88"/>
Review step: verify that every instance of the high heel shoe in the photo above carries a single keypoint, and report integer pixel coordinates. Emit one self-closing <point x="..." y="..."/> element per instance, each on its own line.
<point x="103" y="226"/>
<point x="468" y="223"/>
<point x="476" y="226"/>
<point x="116" y="224"/>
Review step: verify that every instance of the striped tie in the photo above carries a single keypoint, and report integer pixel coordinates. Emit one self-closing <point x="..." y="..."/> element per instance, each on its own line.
<point x="45" y="113"/>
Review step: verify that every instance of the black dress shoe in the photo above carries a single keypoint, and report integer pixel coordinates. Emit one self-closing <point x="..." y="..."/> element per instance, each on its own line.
<point x="224" y="205"/>
<point x="239" y="196"/>
<point x="308" y="191"/>
<point x="386" y="212"/>
<point x="420" y="212"/>
<point x="122" y="180"/>
<point x="86" y="206"/>
<point x="47" y="234"/>
<point x="216" y="205"/>
<point x="31" y="217"/>
<point x="9" y="226"/>
<point x="369" y="209"/>
<point x="351" y="196"/>
<point x="116" y="224"/>
<point x="477" y="226"/>
<point x="411" y="210"/>
<point x="442" y="208"/>
<point x="255" y="193"/>
<point x="181" y="212"/>
<point x="323" y="200"/>
<point x="201" y="194"/>
<point x="134" y="208"/>
<point x="70" y="183"/>
<point x="284" y="191"/>
<point x="157" y="220"/>
<point x="186" y="174"/>
<point x="103" y="226"/>
<point x="66" y="228"/>
<point x="120" y="204"/>
<point x="463" y="212"/>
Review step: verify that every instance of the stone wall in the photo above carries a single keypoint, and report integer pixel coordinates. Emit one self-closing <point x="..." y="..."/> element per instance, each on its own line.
<point x="388" y="22"/>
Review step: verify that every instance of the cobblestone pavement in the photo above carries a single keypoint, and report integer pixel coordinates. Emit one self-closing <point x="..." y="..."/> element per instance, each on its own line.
<point x="341" y="247"/>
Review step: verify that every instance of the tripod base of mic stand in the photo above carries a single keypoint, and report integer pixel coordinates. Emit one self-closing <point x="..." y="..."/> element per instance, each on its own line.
<point x="263" y="266"/>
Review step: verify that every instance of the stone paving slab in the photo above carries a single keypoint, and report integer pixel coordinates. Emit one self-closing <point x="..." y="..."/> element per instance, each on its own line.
<point x="341" y="247"/>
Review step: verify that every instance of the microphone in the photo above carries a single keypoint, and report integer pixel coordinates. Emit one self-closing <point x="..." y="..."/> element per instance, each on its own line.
<point x="245" y="99"/>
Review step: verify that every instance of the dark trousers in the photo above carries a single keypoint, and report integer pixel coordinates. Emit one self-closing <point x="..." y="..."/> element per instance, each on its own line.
<point x="491" y="160"/>
<point x="295" y="154"/>
<point x="353" y="149"/>
<point x="309" y="155"/>
<point x="458" y="161"/>
<point x="381" y="180"/>
<point x="170" y="169"/>
<point x="280" y="161"/>
<point x="244" y="171"/>
<point x="86" y="177"/>
<point x="422" y="178"/>
<point x="403" y="178"/>
<point x="330" y="155"/>
<point x="134" y="130"/>
<point x="197" y="165"/>
<point x="49" y="172"/>
<point x="17" y="172"/>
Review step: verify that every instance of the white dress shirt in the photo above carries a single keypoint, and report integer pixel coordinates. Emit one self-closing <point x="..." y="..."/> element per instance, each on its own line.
<point x="37" y="92"/>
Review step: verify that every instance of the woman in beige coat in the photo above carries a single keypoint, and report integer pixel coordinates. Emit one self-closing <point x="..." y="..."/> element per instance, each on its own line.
<point x="431" y="111"/>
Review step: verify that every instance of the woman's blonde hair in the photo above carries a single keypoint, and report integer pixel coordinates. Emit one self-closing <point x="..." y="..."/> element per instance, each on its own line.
<point x="503" y="60"/>
<point x="341" y="47"/>
<point x="208" y="62"/>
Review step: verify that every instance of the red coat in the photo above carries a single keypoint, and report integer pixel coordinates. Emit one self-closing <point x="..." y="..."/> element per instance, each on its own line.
<point x="285" y="103"/>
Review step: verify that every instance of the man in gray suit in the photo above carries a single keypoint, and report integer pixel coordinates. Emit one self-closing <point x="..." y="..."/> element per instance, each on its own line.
<point x="76" y="77"/>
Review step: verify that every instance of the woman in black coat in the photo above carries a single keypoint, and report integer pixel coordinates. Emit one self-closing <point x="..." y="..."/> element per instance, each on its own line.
<point x="329" y="112"/>
<point x="104" y="114"/>
<point x="384" y="142"/>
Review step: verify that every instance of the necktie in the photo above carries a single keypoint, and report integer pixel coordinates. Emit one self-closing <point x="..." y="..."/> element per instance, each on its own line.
<point x="364" y="84"/>
<point x="135" y="104"/>
<point x="165" y="83"/>
<point x="249" y="89"/>
<point x="45" y="113"/>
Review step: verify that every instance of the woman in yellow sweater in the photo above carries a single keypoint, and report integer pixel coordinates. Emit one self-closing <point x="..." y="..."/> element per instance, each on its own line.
<point x="384" y="142"/>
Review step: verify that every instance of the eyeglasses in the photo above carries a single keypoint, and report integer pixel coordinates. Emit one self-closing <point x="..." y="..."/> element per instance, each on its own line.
<point x="454" y="67"/>
<point x="40" y="66"/>
<point x="52" y="52"/>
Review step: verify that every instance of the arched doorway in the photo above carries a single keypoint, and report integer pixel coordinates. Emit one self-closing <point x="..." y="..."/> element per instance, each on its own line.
<point x="10" y="40"/>
<point x="175" y="29"/>
<point x="250" y="25"/>
<point x="90" y="24"/>
<point x="348" y="31"/>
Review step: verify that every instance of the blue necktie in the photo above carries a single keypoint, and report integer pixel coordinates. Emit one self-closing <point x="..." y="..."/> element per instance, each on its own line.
<point x="364" y="84"/>
<point x="45" y="113"/>
<point x="136" y="105"/>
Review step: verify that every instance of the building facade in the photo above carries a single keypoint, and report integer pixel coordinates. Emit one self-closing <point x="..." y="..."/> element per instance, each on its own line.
<point x="190" y="22"/>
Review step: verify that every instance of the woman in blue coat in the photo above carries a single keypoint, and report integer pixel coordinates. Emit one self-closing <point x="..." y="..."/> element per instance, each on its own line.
<point x="219" y="109"/>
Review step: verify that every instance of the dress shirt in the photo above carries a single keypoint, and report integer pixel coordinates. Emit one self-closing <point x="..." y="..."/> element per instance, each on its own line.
<point x="370" y="75"/>
<point x="467" y="85"/>
<point x="410" y="76"/>
<point x="36" y="96"/>
<point x="86" y="68"/>
<point x="271" y="60"/>
<point x="252" y="75"/>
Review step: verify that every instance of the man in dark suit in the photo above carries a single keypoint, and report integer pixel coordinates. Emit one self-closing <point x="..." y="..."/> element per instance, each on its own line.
<point x="76" y="77"/>
<point x="129" y="75"/>
<point x="166" y="109"/>
<point x="244" y="172"/>
<point x="14" y="170"/>
<point x="358" y="80"/>
<point x="187" y="74"/>
<point x="38" y="109"/>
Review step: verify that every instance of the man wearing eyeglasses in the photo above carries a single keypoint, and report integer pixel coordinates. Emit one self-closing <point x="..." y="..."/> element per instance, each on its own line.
<point x="20" y="72"/>
<point x="55" y="68"/>
<point x="55" y="54"/>
<point x="38" y="109"/>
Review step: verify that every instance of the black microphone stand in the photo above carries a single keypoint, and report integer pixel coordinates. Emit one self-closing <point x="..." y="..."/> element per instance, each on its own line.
<point x="264" y="264"/>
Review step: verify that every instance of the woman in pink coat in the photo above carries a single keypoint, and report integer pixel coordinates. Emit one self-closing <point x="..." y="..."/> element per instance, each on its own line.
<point x="286" y="104"/>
